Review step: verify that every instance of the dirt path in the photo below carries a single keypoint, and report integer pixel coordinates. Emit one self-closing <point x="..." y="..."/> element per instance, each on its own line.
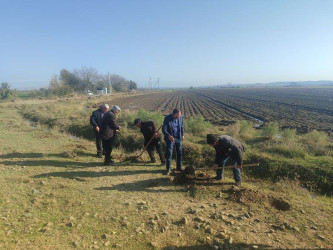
<point x="55" y="194"/>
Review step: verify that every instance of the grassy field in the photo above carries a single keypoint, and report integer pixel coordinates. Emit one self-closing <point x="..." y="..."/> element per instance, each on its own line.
<point x="57" y="195"/>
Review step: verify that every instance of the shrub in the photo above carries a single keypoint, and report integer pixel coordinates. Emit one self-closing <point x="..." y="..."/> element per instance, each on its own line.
<point x="287" y="151"/>
<point x="233" y="130"/>
<point x="246" y="130"/>
<point x="271" y="130"/>
<point x="196" y="125"/>
<point x="289" y="134"/>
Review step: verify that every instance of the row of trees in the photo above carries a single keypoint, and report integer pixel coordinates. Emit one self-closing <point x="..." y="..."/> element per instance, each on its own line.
<point x="89" y="79"/>
<point x="81" y="80"/>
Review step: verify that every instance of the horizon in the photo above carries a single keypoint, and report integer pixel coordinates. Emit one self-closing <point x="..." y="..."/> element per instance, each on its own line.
<point x="197" y="44"/>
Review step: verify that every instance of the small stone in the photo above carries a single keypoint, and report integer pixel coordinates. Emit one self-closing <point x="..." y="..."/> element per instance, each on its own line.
<point x="253" y="231"/>
<point x="125" y="224"/>
<point x="75" y="244"/>
<point x="278" y="227"/>
<point x="222" y="235"/>
<point x="219" y="195"/>
<point x="302" y="211"/>
<point x="127" y="203"/>
<point x="196" y="226"/>
<point x="164" y="213"/>
<point x="157" y="217"/>
<point x="70" y="224"/>
<point x="107" y="243"/>
<point x="296" y="229"/>
<point x="104" y="236"/>
<point x="202" y="207"/>
<point x="141" y="203"/>
<point x="43" y="230"/>
<point x="209" y="230"/>
<point x="246" y="215"/>
<point x="154" y="244"/>
<point x="251" y="214"/>
<point x="255" y="247"/>
<point x="179" y="234"/>
<point x="95" y="215"/>
<point x="184" y="221"/>
<point x="42" y="182"/>
<point x="320" y="237"/>
<point x="314" y="228"/>
<point x="71" y="218"/>
<point x="256" y="220"/>
<point x="117" y="245"/>
<point x="198" y="219"/>
<point x="34" y="191"/>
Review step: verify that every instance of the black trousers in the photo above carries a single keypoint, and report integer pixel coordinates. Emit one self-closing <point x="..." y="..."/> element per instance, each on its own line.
<point x="107" y="147"/>
<point x="98" y="144"/>
<point x="155" y="144"/>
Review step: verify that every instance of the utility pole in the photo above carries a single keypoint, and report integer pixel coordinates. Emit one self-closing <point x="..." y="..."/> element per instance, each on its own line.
<point x="157" y="83"/>
<point x="110" y="83"/>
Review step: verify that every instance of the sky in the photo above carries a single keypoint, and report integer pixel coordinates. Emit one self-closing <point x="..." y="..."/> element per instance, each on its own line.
<point x="182" y="42"/>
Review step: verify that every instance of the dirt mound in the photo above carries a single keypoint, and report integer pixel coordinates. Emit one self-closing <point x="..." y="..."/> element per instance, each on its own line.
<point x="244" y="195"/>
<point x="280" y="204"/>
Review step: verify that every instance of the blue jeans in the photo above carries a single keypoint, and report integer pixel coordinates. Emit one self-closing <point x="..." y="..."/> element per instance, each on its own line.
<point x="236" y="171"/>
<point x="169" y="150"/>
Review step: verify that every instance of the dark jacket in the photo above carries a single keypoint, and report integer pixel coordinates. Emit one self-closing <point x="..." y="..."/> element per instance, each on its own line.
<point x="108" y="126"/>
<point x="148" y="129"/>
<point x="96" y="118"/>
<point x="167" y="126"/>
<point x="228" y="146"/>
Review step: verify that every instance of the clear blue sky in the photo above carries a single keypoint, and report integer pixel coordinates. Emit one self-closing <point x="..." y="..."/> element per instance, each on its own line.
<point x="184" y="42"/>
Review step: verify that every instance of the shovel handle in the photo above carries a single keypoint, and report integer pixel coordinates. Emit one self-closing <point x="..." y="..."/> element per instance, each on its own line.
<point x="151" y="139"/>
<point x="242" y="166"/>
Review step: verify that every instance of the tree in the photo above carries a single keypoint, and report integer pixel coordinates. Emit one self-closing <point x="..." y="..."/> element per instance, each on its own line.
<point x="132" y="85"/>
<point x="89" y="77"/>
<point x="70" y="79"/>
<point x="6" y="92"/>
<point x="119" y="83"/>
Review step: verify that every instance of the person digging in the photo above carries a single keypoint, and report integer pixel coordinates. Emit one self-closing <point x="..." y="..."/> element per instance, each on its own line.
<point x="227" y="148"/>
<point x="96" y="121"/>
<point x="148" y="129"/>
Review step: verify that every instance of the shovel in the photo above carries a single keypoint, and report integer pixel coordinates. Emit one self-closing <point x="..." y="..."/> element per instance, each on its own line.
<point x="191" y="170"/>
<point x="144" y="149"/>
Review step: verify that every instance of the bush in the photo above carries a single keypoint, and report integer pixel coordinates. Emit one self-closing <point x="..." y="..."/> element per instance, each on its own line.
<point x="6" y="92"/>
<point x="287" y="151"/>
<point x="246" y="130"/>
<point x="289" y="134"/>
<point x="196" y="125"/>
<point x="271" y="130"/>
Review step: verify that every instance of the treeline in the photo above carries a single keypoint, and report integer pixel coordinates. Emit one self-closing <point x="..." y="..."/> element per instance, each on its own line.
<point x="83" y="80"/>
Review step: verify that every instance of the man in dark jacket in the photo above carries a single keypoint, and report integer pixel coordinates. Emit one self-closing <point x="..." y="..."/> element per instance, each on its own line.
<point x="226" y="148"/>
<point x="173" y="130"/>
<point x="95" y="121"/>
<point x="149" y="130"/>
<point x="108" y="132"/>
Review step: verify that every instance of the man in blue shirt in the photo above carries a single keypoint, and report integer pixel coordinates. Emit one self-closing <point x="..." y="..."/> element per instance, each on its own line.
<point x="173" y="130"/>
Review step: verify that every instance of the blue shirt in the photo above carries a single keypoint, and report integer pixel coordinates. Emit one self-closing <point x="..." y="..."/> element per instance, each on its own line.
<point x="175" y="128"/>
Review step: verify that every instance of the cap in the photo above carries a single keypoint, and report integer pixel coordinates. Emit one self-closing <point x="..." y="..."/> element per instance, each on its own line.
<point x="136" y="121"/>
<point x="211" y="139"/>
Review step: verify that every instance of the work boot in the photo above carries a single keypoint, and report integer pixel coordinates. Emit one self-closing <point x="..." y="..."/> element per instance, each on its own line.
<point x="168" y="172"/>
<point x="238" y="183"/>
<point x="109" y="163"/>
